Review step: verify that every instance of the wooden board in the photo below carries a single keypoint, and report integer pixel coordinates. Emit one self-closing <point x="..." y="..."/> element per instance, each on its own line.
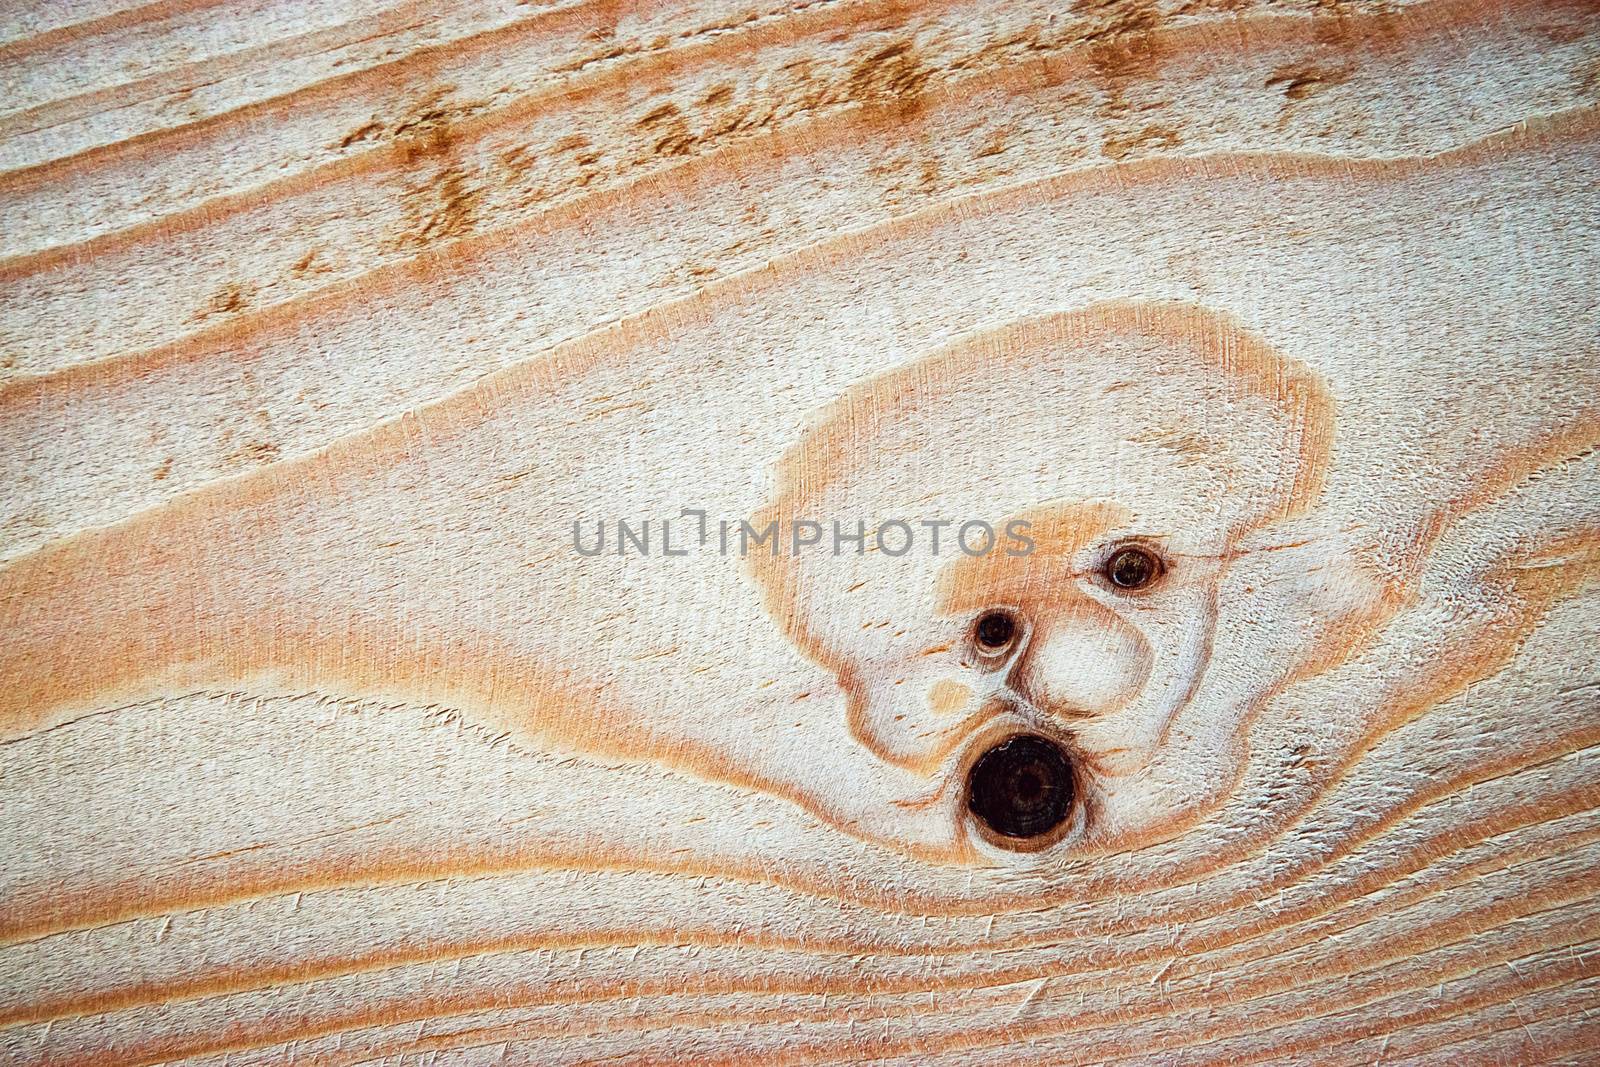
<point x="334" y="335"/>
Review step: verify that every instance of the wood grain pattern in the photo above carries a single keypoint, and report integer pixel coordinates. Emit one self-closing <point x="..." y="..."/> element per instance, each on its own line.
<point x="322" y="324"/>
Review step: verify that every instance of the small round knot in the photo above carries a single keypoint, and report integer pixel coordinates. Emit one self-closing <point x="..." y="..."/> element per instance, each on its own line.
<point x="994" y="631"/>
<point x="1133" y="567"/>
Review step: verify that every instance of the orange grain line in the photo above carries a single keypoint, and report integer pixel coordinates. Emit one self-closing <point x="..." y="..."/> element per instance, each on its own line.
<point x="814" y="19"/>
<point x="126" y="19"/>
<point x="1562" y="896"/>
<point x="1495" y="993"/>
<point x="1020" y="1032"/>
<point x="378" y="81"/>
<point x="1352" y="896"/>
<point x="238" y="338"/>
<point x="211" y="70"/>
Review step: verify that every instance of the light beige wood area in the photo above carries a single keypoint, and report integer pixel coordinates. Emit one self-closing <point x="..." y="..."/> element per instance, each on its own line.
<point x="323" y="740"/>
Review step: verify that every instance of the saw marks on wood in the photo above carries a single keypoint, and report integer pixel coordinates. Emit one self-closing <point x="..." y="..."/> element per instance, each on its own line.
<point x="323" y="324"/>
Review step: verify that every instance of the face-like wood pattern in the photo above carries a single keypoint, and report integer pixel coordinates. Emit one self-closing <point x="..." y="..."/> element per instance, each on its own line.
<point x="332" y="348"/>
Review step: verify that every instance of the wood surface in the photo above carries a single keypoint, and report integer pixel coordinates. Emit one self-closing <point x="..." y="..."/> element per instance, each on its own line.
<point x="321" y="323"/>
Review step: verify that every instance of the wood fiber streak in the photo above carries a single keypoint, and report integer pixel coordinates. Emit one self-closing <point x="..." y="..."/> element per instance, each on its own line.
<point x="322" y="323"/>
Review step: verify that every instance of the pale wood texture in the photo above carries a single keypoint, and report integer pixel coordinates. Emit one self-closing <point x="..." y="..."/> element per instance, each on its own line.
<point x="321" y="322"/>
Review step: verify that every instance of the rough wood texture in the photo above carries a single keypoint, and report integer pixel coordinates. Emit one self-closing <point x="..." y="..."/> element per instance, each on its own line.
<point x="321" y="323"/>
